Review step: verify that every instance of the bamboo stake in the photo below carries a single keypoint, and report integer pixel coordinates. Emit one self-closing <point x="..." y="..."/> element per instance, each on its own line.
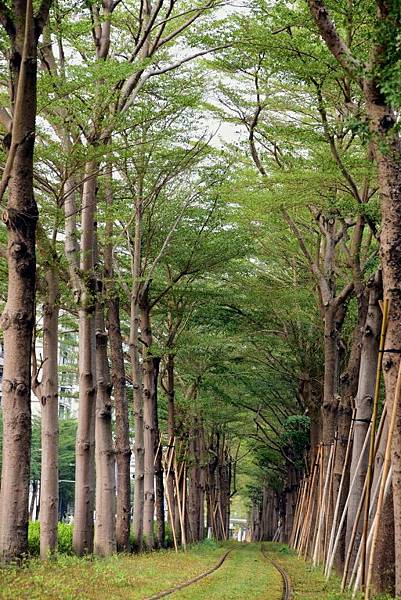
<point x="305" y="535"/>
<point x="329" y="500"/>
<point x="357" y="562"/>
<point x="375" y="526"/>
<point x="309" y="502"/>
<point x="316" y="506"/>
<point x="386" y="467"/>
<point x="369" y="473"/>
<point x="184" y="494"/>
<point x="298" y="513"/>
<point x="322" y="512"/>
<point x="177" y="486"/>
<point x="361" y="503"/>
<point x="344" y="513"/>
<point x="340" y="488"/>
<point x="168" y="461"/>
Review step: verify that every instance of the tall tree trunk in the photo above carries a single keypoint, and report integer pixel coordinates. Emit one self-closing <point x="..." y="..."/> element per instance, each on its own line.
<point x="148" y="422"/>
<point x="137" y="380"/>
<point x="118" y="379"/>
<point x="330" y="399"/>
<point x="160" y="517"/>
<point x="364" y="399"/>
<point x="17" y="321"/>
<point x="194" y="495"/>
<point x="123" y="449"/>
<point x="171" y="428"/>
<point x="50" y="433"/>
<point x="85" y="444"/>
<point x="388" y="157"/>
<point x="105" y="525"/>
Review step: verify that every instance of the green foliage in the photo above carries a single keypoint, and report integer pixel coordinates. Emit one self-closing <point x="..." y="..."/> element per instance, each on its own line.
<point x="64" y="538"/>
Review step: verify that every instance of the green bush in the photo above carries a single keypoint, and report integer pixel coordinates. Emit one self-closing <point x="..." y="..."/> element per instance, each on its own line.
<point x="64" y="534"/>
<point x="34" y="538"/>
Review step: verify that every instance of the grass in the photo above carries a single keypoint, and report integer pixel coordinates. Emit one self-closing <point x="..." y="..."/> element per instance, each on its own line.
<point x="308" y="582"/>
<point x="245" y="575"/>
<point x="116" y="578"/>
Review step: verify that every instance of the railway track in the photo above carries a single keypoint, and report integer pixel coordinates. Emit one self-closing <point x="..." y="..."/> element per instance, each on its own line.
<point x="287" y="589"/>
<point x="185" y="584"/>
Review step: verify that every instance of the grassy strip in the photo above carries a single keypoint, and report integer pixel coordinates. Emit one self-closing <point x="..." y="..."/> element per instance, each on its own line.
<point x="244" y="575"/>
<point x="308" y="582"/>
<point x="116" y="578"/>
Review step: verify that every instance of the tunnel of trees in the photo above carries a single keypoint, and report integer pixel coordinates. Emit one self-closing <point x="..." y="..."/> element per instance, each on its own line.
<point x="201" y="212"/>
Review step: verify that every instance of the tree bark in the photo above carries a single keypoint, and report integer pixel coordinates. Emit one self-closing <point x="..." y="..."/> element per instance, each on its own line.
<point x="20" y="218"/>
<point x="105" y="525"/>
<point x="137" y="380"/>
<point x="364" y="399"/>
<point x="50" y="433"/>
<point x="159" y="500"/>
<point x="171" y="428"/>
<point x="85" y="444"/>
<point x="123" y="449"/>
<point x="118" y="379"/>
<point x="148" y="422"/>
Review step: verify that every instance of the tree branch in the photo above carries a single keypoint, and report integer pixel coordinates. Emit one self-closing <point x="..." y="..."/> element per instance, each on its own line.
<point x="333" y="40"/>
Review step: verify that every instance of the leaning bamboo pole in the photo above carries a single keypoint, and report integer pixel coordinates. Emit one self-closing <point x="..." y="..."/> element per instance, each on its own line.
<point x="316" y="506"/>
<point x="298" y="514"/>
<point x="305" y="531"/>
<point x="386" y="467"/>
<point x="330" y="559"/>
<point x="302" y="511"/>
<point x="386" y="307"/>
<point x="357" y="563"/>
<point x="167" y="469"/>
<point x="340" y="488"/>
<point x="177" y="487"/>
<point x="361" y="502"/>
<point x="323" y="507"/>
<point x="371" y="535"/>
<point x="329" y="500"/>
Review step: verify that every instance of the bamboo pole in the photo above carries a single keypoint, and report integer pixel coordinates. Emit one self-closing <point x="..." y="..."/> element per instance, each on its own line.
<point x="168" y="462"/>
<point x="323" y="503"/>
<point x="344" y="513"/>
<point x="177" y="486"/>
<point x="298" y="513"/>
<point x="386" y="306"/>
<point x="316" y="506"/>
<point x="361" y="503"/>
<point x="302" y="510"/>
<point x="386" y="467"/>
<point x="374" y="527"/>
<point x="357" y="562"/>
<point x="304" y="535"/>
<point x="329" y="500"/>
<point x="340" y="488"/>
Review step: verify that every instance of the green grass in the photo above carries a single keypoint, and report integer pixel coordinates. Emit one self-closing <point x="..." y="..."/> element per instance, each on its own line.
<point x="122" y="577"/>
<point x="245" y="575"/>
<point x="308" y="582"/>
